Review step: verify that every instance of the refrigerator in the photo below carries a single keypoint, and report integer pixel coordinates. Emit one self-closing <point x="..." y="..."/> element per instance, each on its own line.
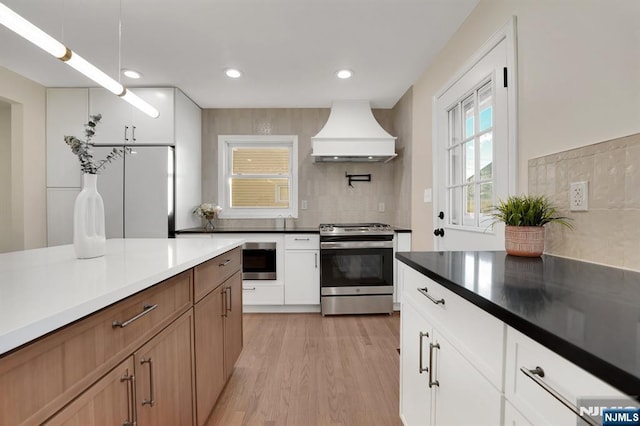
<point x="138" y="191"/>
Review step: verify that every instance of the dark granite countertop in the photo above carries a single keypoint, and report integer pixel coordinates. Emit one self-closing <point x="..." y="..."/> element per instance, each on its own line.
<point x="303" y="230"/>
<point x="587" y="313"/>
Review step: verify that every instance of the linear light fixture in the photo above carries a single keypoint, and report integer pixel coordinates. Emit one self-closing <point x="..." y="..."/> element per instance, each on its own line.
<point x="35" y="35"/>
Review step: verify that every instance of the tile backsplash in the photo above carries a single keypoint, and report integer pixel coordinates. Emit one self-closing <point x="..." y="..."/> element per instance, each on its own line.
<point x="609" y="232"/>
<point x="323" y="186"/>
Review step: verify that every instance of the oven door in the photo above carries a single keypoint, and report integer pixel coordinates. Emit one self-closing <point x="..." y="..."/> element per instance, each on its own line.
<point x="355" y="267"/>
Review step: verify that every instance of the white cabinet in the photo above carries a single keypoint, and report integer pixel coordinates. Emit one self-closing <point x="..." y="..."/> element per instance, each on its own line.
<point x="179" y="124"/>
<point x="124" y="124"/>
<point x="67" y="111"/>
<point x="302" y="269"/>
<point x="534" y="399"/>
<point x="60" y="204"/>
<point x="440" y="385"/>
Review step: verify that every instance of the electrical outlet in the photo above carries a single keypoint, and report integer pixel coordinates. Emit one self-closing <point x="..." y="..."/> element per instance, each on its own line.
<point x="304" y="205"/>
<point x="381" y="207"/>
<point x="579" y="196"/>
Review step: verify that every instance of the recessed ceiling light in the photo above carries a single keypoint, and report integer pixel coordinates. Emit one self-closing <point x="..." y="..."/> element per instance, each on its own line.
<point x="131" y="73"/>
<point x="344" y="74"/>
<point x="233" y="73"/>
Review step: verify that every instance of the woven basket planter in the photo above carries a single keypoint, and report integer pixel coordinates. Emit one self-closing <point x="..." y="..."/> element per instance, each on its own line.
<point x="525" y="241"/>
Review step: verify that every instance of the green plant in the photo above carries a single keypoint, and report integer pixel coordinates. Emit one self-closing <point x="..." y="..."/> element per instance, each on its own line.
<point x="83" y="148"/>
<point x="527" y="210"/>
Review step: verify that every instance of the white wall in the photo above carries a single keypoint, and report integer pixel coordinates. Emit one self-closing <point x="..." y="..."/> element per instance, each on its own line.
<point x="579" y="68"/>
<point x="28" y="193"/>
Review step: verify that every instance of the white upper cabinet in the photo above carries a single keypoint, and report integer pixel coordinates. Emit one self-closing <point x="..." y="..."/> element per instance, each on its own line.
<point x="67" y="111"/>
<point x="124" y="124"/>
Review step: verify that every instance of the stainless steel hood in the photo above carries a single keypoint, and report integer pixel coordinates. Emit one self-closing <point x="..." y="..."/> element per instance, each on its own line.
<point x="352" y="134"/>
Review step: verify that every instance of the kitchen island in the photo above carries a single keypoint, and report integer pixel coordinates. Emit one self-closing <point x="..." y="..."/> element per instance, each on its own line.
<point x="75" y="333"/>
<point x="508" y="315"/>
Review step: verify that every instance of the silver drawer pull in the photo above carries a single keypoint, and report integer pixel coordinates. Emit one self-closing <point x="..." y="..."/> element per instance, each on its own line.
<point x="422" y="369"/>
<point x="225" y="263"/>
<point x="145" y="310"/>
<point x="133" y="409"/>
<point x="535" y="375"/>
<point x="301" y="239"/>
<point x="152" y="393"/>
<point x="249" y="288"/>
<point x="431" y="348"/>
<point x="428" y="296"/>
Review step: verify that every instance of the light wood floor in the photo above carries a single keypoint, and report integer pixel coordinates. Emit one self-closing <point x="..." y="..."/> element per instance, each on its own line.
<point x="305" y="369"/>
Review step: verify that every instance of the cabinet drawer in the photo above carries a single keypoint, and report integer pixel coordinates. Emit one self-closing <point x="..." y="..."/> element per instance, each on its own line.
<point x="560" y="375"/>
<point x="37" y="380"/>
<point x="478" y="335"/>
<point x="262" y="294"/>
<point x="214" y="272"/>
<point x="302" y="242"/>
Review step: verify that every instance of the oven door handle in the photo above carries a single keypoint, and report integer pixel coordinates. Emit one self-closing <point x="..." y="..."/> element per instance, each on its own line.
<point x="355" y="244"/>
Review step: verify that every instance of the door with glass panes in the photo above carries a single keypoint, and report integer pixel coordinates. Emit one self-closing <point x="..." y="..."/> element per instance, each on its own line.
<point x="472" y="159"/>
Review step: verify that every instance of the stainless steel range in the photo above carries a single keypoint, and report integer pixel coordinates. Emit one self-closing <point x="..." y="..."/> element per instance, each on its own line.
<point x="356" y="268"/>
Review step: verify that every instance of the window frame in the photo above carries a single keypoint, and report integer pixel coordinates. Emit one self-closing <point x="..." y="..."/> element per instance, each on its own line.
<point x="225" y="145"/>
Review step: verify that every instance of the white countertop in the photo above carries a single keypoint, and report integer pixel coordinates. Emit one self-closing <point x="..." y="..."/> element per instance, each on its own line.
<point x="44" y="289"/>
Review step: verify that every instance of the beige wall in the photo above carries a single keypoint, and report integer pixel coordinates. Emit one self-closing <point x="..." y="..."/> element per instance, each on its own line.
<point x="578" y="84"/>
<point x="28" y="194"/>
<point x="608" y="232"/>
<point x="5" y="176"/>
<point x="324" y="186"/>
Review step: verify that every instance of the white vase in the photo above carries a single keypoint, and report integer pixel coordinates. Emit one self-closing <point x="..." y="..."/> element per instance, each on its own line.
<point x="88" y="220"/>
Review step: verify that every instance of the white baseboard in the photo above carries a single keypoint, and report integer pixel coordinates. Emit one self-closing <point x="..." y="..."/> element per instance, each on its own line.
<point x="289" y="309"/>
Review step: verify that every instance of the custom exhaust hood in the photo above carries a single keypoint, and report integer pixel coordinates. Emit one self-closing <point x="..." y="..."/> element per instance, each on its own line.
<point x="352" y="134"/>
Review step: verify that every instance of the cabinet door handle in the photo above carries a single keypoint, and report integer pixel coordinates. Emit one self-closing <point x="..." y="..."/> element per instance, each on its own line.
<point x="133" y="133"/>
<point x="248" y="288"/>
<point x="301" y="239"/>
<point x="228" y="291"/>
<point x="315" y="256"/>
<point x="145" y="310"/>
<point x="131" y="401"/>
<point x="225" y="263"/>
<point x="152" y="398"/>
<point x="422" y="369"/>
<point x="432" y="382"/>
<point x="223" y="293"/>
<point x="536" y="375"/>
<point x="428" y="296"/>
<point x="126" y="131"/>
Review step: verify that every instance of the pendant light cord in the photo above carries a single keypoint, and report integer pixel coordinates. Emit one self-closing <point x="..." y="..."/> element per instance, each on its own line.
<point x="120" y="41"/>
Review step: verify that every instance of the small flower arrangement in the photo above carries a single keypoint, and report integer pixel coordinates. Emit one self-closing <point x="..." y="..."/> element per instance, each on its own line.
<point x="83" y="148"/>
<point x="207" y="211"/>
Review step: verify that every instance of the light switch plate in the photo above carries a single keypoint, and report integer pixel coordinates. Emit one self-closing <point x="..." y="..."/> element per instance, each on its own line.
<point x="381" y="207"/>
<point x="427" y="195"/>
<point x="579" y="196"/>
<point x="304" y="205"/>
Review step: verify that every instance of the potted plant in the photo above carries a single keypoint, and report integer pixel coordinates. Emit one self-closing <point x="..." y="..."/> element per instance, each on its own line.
<point x="525" y="217"/>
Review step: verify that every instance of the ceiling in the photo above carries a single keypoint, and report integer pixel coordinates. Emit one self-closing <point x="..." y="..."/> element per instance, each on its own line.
<point x="288" y="50"/>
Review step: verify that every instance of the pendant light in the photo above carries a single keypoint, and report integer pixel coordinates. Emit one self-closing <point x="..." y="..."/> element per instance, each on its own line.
<point x="35" y="35"/>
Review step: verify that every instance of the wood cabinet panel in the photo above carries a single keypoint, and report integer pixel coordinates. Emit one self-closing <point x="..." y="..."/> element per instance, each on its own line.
<point x="209" y="352"/>
<point x="107" y="402"/>
<point x="164" y="386"/>
<point x="214" y="272"/>
<point x="58" y="367"/>
<point x="232" y="323"/>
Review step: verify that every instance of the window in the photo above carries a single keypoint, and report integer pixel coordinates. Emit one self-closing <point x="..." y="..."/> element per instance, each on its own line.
<point x="258" y="176"/>
<point x="470" y="152"/>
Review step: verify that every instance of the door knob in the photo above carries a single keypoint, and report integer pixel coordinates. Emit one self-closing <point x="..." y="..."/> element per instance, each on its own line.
<point x="439" y="232"/>
<point x="441" y="215"/>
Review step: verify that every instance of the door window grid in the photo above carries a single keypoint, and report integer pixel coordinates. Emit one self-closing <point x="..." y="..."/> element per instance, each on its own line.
<point x="470" y="186"/>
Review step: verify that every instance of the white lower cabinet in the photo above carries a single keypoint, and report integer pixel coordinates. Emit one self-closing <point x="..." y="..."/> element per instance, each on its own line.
<point x="512" y="417"/>
<point x="553" y="375"/>
<point x="439" y="385"/>
<point x="302" y="269"/>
